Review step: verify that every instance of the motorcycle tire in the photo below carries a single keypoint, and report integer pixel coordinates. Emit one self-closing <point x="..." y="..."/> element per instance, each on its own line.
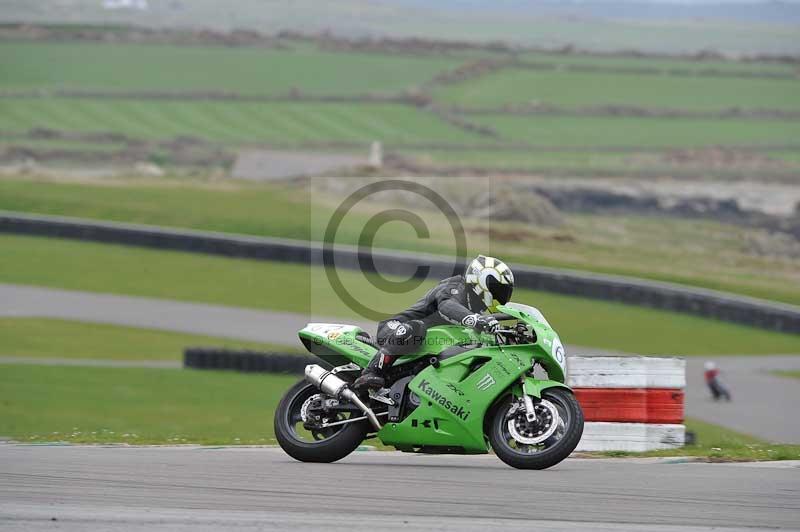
<point x="331" y="449"/>
<point x="550" y="456"/>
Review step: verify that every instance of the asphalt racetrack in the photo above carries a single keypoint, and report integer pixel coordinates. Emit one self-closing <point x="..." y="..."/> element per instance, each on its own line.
<point x="76" y="488"/>
<point x="162" y="314"/>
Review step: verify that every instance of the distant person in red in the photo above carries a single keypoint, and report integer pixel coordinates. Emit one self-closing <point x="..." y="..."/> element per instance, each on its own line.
<point x="712" y="380"/>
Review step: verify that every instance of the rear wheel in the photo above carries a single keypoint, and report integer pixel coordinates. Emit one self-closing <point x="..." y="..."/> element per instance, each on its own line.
<point x="300" y="429"/>
<point x="541" y="443"/>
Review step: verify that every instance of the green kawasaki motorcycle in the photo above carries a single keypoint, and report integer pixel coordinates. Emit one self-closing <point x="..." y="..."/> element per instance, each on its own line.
<point x="461" y="392"/>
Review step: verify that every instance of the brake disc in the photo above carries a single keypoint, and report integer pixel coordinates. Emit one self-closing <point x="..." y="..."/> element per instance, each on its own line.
<point x="307" y="405"/>
<point x="532" y="433"/>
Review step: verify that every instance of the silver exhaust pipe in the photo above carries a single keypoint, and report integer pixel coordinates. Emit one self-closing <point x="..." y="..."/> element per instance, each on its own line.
<point x="336" y="387"/>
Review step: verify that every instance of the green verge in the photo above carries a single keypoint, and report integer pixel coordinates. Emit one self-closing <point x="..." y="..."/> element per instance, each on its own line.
<point x="788" y="374"/>
<point x="138" y="406"/>
<point x="716" y="443"/>
<point x="689" y="247"/>
<point x="51" y="338"/>
<point x="246" y="209"/>
<point x="290" y="287"/>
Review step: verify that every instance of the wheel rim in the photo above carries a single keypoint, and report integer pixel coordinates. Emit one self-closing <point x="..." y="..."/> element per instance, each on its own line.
<point x="305" y="431"/>
<point x="536" y="432"/>
<point x="520" y="436"/>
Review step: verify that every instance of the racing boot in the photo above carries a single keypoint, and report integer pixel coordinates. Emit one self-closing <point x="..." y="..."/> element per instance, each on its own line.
<point x="373" y="375"/>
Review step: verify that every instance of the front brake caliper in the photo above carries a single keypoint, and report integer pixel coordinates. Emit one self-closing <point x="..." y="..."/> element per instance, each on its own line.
<point x="514" y="408"/>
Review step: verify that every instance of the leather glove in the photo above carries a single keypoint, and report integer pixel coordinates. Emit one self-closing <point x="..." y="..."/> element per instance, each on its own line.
<point x="483" y="323"/>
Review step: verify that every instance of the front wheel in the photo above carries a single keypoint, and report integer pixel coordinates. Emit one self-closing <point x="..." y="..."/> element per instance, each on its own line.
<point x="541" y="443"/>
<point x="301" y="431"/>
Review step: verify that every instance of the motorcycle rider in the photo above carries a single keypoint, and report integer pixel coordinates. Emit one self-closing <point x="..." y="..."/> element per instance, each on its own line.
<point x="457" y="300"/>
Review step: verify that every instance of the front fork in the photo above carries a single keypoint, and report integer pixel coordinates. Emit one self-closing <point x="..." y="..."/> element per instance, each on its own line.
<point x="530" y="411"/>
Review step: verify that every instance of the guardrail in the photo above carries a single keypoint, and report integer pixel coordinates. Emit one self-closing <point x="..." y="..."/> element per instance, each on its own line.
<point x="660" y="295"/>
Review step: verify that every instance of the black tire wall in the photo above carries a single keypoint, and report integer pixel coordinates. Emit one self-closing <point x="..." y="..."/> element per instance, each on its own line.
<point x="246" y="361"/>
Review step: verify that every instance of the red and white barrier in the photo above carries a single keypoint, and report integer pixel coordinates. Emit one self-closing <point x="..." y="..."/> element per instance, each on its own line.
<point x="629" y="403"/>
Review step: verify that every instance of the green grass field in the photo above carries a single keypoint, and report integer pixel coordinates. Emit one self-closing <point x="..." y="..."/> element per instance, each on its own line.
<point x="51" y="338"/>
<point x="583" y="89"/>
<point x="133" y="67"/>
<point x="38" y="66"/>
<point x="588" y="131"/>
<point x="232" y="122"/>
<point x="101" y="405"/>
<point x="136" y="67"/>
<point x="295" y="123"/>
<point x="290" y="287"/>
<point x="693" y="252"/>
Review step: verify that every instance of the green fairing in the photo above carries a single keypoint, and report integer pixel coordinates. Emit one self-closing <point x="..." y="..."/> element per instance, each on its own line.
<point x="454" y="401"/>
<point x="535" y="387"/>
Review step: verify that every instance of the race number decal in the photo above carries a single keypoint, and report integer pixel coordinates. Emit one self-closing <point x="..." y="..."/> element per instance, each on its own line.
<point x="558" y="352"/>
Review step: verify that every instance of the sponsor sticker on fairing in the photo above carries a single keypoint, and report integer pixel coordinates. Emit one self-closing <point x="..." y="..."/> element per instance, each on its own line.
<point x="443" y="401"/>
<point x="486" y="382"/>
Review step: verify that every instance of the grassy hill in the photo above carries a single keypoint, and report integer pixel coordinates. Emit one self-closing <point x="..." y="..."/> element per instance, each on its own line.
<point x="415" y="98"/>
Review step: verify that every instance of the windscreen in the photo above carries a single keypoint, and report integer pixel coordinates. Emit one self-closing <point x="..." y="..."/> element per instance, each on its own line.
<point x="532" y="311"/>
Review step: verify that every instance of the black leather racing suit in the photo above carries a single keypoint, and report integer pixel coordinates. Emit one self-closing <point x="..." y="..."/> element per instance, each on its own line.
<point x="450" y="301"/>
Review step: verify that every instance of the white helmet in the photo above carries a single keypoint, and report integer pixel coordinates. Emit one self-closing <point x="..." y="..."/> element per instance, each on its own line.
<point x="491" y="280"/>
<point x="709" y="366"/>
